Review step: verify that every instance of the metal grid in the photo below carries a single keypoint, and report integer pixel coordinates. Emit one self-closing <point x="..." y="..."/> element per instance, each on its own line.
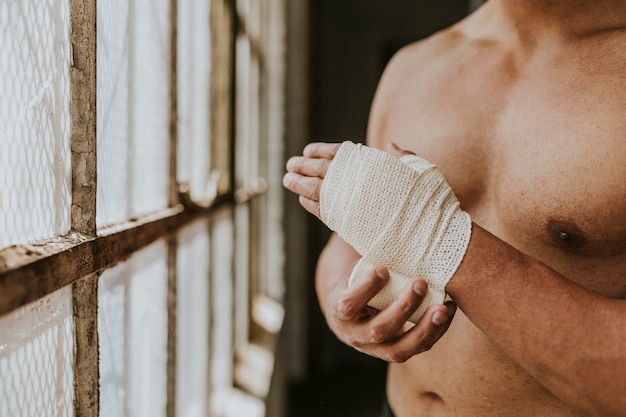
<point x="37" y="358"/>
<point x="34" y="120"/>
<point x="132" y="318"/>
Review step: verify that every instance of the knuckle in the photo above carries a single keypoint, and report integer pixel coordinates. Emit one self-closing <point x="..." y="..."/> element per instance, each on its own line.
<point x="426" y="347"/>
<point x="398" y="356"/>
<point x="351" y="339"/>
<point x="310" y="189"/>
<point x="424" y="336"/>
<point x="426" y="342"/>
<point x="356" y="343"/>
<point x="317" y="189"/>
<point x="345" y="308"/>
<point x="377" y="333"/>
<point x="320" y="165"/>
<point x="405" y="306"/>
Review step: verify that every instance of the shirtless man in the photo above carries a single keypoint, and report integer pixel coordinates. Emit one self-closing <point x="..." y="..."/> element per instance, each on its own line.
<point x="522" y="106"/>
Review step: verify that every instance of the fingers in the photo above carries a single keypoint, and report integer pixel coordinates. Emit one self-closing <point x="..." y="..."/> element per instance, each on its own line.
<point x="308" y="187"/>
<point x="321" y="150"/>
<point x="311" y="206"/>
<point x="305" y="174"/>
<point x="310" y="167"/>
<point x="419" y="338"/>
<point x="355" y="298"/>
<point x="390" y="320"/>
<point x="384" y="334"/>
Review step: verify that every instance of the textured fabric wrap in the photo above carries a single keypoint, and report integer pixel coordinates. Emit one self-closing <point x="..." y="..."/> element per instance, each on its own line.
<point x="400" y="213"/>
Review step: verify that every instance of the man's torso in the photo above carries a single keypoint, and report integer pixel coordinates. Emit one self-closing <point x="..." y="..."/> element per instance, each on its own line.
<point x="534" y="146"/>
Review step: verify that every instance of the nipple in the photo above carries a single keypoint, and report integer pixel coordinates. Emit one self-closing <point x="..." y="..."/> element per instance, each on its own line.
<point x="566" y="234"/>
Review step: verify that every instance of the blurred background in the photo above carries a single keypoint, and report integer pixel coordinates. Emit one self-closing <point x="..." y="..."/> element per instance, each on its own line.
<point x="350" y="42"/>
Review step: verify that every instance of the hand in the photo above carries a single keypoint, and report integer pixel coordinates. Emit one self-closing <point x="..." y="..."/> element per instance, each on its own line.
<point x="385" y="334"/>
<point x="305" y="173"/>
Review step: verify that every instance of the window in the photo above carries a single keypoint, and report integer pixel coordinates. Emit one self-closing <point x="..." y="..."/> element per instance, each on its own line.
<point x="141" y="245"/>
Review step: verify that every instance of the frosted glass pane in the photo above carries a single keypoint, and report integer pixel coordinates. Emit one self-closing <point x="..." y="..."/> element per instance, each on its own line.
<point x="192" y="321"/>
<point x="222" y="300"/>
<point x="37" y="358"/>
<point x="194" y="57"/>
<point x="132" y="322"/>
<point x="112" y="108"/>
<point x="149" y="107"/>
<point x="133" y="109"/>
<point x="35" y="190"/>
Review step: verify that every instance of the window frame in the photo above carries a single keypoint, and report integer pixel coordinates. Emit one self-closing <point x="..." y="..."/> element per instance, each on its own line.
<point x="34" y="270"/>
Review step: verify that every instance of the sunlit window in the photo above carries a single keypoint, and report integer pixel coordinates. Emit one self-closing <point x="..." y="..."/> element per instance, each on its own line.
<point x="141" y="247"/>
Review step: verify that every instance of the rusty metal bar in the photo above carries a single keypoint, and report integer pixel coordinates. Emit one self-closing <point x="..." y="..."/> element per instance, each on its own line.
<point x="171" y="327"/>
<point x="174" y="198"/>
<point x="83" y="115"/>
<point x="221" y="94"/>
<point x="173" y="195"/>
<point x="29" y="272"/>
<point x="86" y="371"/>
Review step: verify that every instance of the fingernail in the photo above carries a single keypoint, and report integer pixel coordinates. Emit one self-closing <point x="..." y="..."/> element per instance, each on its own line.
<point x="288" y="177"/>
<point x="418" y="288"/>
<point x="380" y="272"/>
<point x="439" y="318"/>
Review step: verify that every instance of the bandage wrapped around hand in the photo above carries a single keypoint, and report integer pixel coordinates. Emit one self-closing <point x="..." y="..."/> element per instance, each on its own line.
<point x="400" y="213"/>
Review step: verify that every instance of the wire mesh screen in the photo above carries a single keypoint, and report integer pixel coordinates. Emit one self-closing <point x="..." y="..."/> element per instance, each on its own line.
<point x="34" y="120"/>
<point x="150" y="105"/>
<point x="192" y="321"/>
<point x="222" y="344"/>
<point x="37" y="358"/>
<point x="133" y="108"/>
<point x="132" y="322"/>
<point x="193" y="59"/>
<point x="112" y="108"/>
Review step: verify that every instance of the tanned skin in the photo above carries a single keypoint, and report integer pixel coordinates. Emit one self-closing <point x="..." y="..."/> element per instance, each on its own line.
<point x="522" y="106"/>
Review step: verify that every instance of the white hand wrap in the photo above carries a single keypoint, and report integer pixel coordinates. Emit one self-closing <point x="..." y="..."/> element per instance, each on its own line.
<point x="400" y="213"/>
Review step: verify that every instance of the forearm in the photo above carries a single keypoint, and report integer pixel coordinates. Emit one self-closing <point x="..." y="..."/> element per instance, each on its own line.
<point x="568" y="338"/>
<point x="334" y="265"/>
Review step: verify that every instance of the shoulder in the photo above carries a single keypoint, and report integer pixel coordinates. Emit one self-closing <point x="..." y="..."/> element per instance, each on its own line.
<point x="416" y="64"/>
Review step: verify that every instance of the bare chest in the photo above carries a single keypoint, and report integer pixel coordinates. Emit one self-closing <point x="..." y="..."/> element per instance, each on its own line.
<point x="541" y="165"/>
